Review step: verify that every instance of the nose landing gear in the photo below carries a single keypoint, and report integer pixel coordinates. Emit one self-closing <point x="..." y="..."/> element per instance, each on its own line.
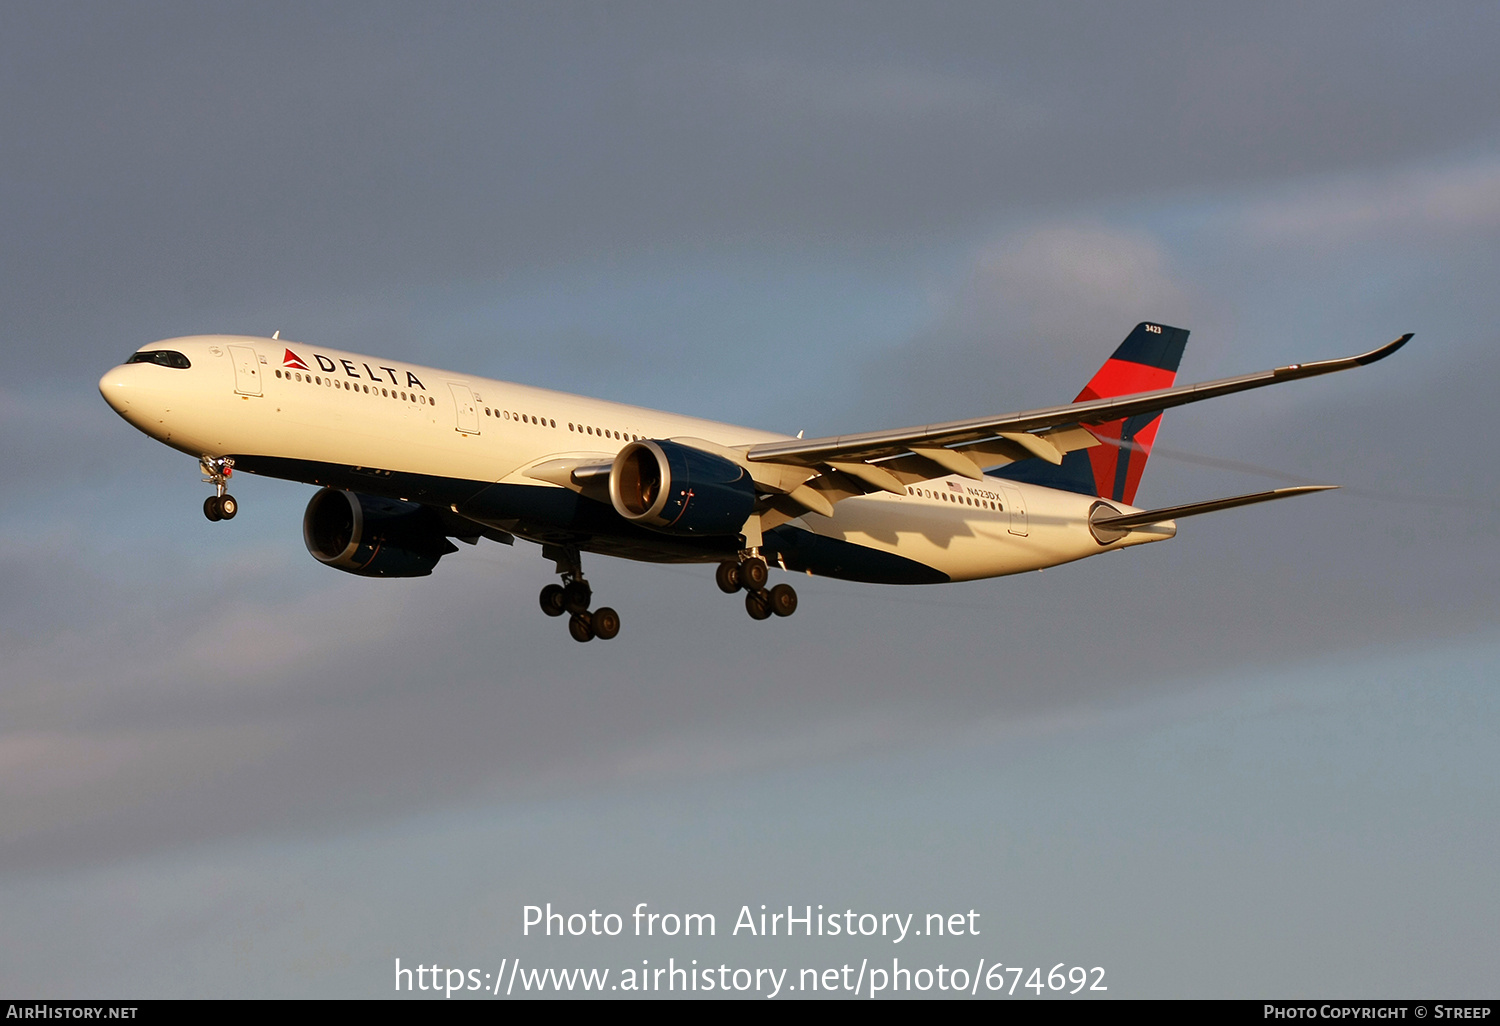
<point x="573" y="597"/>
<point x="217" y="471"/>
<point x="750" y="573"/>
<point x="220" y="507"/>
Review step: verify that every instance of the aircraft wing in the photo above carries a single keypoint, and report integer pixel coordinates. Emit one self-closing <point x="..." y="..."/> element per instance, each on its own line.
<point x="892" y="459"/>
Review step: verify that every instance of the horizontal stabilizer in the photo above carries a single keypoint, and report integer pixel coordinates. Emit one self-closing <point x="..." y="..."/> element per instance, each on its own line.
<point x="1126" y="521"/>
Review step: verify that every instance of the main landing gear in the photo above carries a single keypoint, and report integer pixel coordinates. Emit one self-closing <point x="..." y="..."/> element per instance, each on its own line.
<point x="573" y="596"/>
<point x="216" y="471"/>
<point x="751" y="573"/>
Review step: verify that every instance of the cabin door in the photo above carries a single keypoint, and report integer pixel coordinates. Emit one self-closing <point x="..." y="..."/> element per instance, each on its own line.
<point x="1016" y="506"/>
<point x="467" y="410"/>
<point x="246" y="370"/>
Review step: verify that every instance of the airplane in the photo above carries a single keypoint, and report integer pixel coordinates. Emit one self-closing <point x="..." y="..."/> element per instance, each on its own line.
<point x="409" y="458"/>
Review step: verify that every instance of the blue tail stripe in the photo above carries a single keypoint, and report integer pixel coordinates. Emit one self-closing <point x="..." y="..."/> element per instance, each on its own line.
<point x="1154" y="345"/>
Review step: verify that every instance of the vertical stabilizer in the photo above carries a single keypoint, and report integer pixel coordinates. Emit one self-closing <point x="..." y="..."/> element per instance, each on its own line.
<point x="1145" y="361"/>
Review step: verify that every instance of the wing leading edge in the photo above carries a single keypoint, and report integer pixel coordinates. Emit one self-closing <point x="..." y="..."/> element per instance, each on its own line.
<point x="966" y="446"/>
<point x="799" y="476"/>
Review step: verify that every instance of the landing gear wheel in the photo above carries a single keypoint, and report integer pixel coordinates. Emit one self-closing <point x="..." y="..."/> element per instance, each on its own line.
<point x="783" y="600"/>
<point x="754" y="573"/>
<point x="580" y="626"/>
<point x="576" y="597"/>
<point x="606" y="623"/>
<point x="552" y="600"/>
<point x="727" y="577"/>
<point x="216" y="470"/>
<point x="758" y="604"/>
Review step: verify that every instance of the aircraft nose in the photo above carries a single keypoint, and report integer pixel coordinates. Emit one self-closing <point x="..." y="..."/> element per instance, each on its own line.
<point x="115" y="389"/>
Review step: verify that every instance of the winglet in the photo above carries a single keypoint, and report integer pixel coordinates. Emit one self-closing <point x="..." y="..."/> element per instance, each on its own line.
<point x="1307" y="370"/>
<point x="1383" y="351"/>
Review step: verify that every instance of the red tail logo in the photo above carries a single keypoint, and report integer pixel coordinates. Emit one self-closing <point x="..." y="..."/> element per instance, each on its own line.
<point x="293" y="360"/>
<point x="1146" y="361"/>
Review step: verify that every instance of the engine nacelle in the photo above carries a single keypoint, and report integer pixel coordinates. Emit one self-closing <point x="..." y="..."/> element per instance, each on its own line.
<point x="373" y="536"/>
<point x="676" y="489"/>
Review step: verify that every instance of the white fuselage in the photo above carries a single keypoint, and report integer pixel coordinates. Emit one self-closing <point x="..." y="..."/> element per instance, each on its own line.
<point x="458" y="440"/>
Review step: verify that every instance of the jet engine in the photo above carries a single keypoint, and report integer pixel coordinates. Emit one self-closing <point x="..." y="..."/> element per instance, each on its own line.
<point x="373" y="536"/>
<point x="677" y="489"/>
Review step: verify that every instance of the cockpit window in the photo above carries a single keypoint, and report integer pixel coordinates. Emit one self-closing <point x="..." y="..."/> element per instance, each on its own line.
<point x="163" y="357"/>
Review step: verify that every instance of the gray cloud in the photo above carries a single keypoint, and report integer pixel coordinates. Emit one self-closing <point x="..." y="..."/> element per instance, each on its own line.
<point x="1035" y="315"/>
<point x="193" y="165"/>
<point x="1456" y="200"/>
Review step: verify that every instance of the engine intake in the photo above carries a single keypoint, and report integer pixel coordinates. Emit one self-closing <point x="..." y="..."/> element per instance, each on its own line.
<point x="372" y="536"/>
<point x="677" y="489"/>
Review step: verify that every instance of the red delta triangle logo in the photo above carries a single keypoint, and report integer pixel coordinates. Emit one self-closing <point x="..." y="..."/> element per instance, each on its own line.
<point x="293" y="360"/>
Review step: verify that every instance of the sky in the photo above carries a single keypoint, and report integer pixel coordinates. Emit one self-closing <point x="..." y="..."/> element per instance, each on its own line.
<point x="1255" y="762"/>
